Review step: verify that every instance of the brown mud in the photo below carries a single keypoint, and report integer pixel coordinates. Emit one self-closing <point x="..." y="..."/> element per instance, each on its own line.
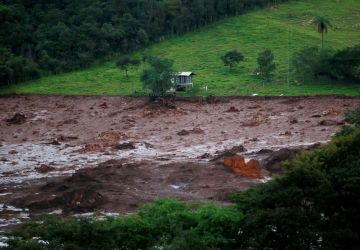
<point x="70" y="155"/>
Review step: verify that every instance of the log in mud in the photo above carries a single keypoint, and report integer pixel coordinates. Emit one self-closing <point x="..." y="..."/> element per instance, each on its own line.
<point x="70" y="155"/>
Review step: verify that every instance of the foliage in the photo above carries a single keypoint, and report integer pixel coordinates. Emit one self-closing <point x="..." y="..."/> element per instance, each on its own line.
<point x="266" y="65"/>
<point x="340" y="65"/>
<point x="322" y="24"/>
<point x="315" y="205"/>
<point x="60" y="36"/>
<point x="232" y="58"/>
<point x="126" y="61"/>
<point x="159" y="76"/>
<point x="164" y="223"/>
<point x="345" y="64"/>
<point x="311" y="62"/>
<point x="200" y="50"/>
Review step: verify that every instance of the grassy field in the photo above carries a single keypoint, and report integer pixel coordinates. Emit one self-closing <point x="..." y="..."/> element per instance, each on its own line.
<point x="285" y="29"/>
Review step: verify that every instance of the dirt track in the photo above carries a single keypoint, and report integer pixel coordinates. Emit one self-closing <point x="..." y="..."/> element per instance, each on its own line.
<point x="150" y="151"/>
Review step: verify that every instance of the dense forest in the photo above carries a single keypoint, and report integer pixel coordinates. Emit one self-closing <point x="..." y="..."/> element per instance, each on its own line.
<point x="48" y="37"/>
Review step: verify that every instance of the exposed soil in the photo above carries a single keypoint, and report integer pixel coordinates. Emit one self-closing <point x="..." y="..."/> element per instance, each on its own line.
<point x="83" y="154"/>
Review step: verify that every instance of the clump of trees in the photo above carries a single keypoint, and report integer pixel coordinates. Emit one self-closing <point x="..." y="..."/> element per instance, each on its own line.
<point x="232" y="58"/>
<point x="341" y="65"/>
<point x="42" y="37"/>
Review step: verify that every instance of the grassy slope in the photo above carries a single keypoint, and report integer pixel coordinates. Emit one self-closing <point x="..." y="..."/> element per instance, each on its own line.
<point x="285" y="26"/>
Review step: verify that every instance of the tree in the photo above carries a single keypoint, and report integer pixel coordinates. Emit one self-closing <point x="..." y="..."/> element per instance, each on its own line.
<point x="126" y="61"/>
<point x="232" y="58"/>
<point x="322" y="23"/>
<point x="266" y="65"/>
<point x="159" y="76"/>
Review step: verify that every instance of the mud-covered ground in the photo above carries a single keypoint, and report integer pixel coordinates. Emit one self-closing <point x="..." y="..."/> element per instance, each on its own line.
<point x="69" y="155"/>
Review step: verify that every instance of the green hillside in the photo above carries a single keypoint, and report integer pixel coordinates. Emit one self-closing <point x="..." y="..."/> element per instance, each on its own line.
<point x="285" y="29"/>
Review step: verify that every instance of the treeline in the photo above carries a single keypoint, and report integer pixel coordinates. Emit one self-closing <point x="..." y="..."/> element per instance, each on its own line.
<point x="45" y="37"/>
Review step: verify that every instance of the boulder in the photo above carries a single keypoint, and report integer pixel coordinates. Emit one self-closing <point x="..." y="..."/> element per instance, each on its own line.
<point x="17" y="119"/>
<point x="272" y="163"/>
<point x="43" y="169"/>
<point x="125" y="146"/>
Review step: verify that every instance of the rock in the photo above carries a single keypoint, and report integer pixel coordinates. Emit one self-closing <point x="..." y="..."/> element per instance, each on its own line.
<point x="264" y="151"/>
<point x="250" y="170"/>
<point x="76" y="201"/>
<point x="68" y="122"/>
<point x="13" y="152"/>
<point x="168" y="138"/>
<point x="316" y="116"/>
<point x="197" y="131"/>
<point x="3" y="159"/>
<point x="65" y="138"/>
<point x="221" y="155"/>
<point x="294" y="121"/>
<point x="328" y="123"/>
<point x="205" y="156"/>
<point x="17" y="119"/>
<point x="273" y="162"/>
<point x="232" y="109"/>
<point x="55" y="142"/>
<point x="103" y="105"/>
<point x="183" y="132"/>
<point x="125" y="146"/>
<point x="43" y="169"/>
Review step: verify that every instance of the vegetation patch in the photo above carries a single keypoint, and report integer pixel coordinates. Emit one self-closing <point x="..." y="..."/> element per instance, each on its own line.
<point x="285" y="29"/>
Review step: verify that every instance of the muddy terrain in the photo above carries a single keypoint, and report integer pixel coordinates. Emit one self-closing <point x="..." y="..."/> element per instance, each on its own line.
<point x="108" y="155"/>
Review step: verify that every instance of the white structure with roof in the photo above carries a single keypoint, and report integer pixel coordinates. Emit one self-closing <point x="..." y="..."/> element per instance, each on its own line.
<point x="184" y="79"/>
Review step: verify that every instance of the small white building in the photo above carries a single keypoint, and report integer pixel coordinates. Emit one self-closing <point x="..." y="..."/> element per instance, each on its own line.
<point x="184" y="79"/>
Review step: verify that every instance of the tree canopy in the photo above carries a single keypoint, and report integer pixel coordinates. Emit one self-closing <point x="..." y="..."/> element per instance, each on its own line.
<point x="45" y="37"/>
<point x="232" y="58"/>
<point x="159" y="76"/>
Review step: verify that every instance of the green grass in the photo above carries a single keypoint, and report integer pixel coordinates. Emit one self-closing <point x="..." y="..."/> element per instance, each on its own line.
<point x="285" y="29"/>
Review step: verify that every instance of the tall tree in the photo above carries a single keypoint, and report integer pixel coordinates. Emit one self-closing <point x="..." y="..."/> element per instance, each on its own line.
<point x="322" y="24"/>
<point x="266" y="65"/>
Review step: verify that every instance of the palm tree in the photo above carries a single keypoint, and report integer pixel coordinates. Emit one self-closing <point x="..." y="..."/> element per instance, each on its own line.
<point x="322" y="23"/>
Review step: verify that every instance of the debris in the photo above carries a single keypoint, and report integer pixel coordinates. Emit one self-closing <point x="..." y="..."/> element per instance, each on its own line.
<point x="221" y="155"/>
<point x="250" y="170"/>
<point x="331" y="112"/>
<point x="13" y="152"/>
<point x="328" y="123"/>
<point x="103" y="105"/>
<point x="125" y="146"/>
<point x="55" y="142"/>
<point x="293" y="121"/>
<point x="43" y="169"/>
<point x="273" y="162"/>
<point x="65" y="138"/>
<point x="17" y="119"/>
<point x="197" y="130"/>
<point x="183" y="132"/>
<point x="232" y="109"/>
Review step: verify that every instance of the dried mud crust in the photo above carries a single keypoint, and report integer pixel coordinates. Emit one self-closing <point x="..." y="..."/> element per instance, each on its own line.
<point x="54" y="158"/>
